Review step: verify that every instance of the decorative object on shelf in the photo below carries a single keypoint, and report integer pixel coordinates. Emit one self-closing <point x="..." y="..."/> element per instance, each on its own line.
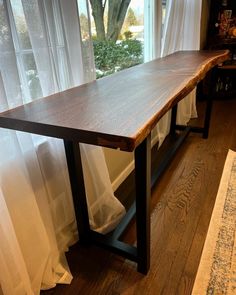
<point x="232" y="31"/>
<point x="224" y="3"/>
<point x="224" y="19"/>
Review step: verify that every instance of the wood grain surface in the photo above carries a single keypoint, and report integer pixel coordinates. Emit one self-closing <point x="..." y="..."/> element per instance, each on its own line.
<point x="118" y="111"/>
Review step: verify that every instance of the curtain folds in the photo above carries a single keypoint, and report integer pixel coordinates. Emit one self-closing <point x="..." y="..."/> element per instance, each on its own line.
<point x="181" y="31"/>
<point x="37" y="222"/>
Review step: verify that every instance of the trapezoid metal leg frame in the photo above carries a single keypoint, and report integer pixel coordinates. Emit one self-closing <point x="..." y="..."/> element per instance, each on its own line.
<point x="110" y="241"/>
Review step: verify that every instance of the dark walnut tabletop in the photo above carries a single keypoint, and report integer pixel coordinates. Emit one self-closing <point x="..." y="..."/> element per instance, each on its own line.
<point x="120" y="110"/>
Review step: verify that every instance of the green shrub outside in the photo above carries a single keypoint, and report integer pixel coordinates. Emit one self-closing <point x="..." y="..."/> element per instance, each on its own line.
<point x="111" y="56"/>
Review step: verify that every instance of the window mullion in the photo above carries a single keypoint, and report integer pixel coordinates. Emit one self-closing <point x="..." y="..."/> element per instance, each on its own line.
<point x="62" y="49"/>
<point x="51" y="45"/>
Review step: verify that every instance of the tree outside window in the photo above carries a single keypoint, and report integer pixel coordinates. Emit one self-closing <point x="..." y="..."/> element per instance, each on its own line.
<point x="117" y="32"/>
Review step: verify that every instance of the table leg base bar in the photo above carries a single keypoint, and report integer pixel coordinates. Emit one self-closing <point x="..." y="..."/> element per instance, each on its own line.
<point x="116" y="234"/>
<point x="108" y="242"/>
<point x="194" y="129"/>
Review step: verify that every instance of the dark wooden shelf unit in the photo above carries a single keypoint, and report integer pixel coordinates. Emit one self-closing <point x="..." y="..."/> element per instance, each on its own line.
<point x="219" y="37"/>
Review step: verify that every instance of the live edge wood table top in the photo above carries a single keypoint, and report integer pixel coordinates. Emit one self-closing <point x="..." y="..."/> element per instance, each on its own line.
<point x="118" y="111"/>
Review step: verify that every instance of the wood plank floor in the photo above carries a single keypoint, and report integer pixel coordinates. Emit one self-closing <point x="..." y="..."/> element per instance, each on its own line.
<point x="182" y="202"/>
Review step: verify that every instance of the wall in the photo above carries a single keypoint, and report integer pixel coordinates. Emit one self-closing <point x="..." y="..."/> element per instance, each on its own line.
<point x="119" y="164"/>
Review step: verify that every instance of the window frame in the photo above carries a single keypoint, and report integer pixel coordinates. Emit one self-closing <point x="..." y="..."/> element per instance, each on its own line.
<point x="56" y="45"/>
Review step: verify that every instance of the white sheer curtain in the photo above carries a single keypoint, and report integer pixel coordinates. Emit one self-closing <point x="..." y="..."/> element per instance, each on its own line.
<point x="41" y="52"/>
<point x="152" y="41"/>
<point x="181" y="32"/>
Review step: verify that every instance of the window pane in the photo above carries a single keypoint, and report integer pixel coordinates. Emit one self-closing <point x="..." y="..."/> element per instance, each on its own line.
<point x="134" y="21"/>
<point x="63" y="69"/>
<point x="5" y="39"/>
<point x="117" y="38"/>
<point x="31" y="74"/>
<point x="84" y="20"/>
<point x="163" y="14"/>
<point x="20" y="23"/>
<point x="87" y="46"/>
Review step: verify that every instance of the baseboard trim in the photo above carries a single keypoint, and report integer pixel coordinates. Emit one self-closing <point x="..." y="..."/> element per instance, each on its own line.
<point x="122" y="176"/>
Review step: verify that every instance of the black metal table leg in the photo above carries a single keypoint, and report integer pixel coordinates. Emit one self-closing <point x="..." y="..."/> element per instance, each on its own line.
<point x="209" y="103"/>
<point x="143" y="194"/>
<point x="78" y="190"/>
<point x="173" y="120"/>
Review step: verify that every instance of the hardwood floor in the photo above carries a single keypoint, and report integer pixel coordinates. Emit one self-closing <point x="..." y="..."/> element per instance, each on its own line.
<point x="182" y="202"/>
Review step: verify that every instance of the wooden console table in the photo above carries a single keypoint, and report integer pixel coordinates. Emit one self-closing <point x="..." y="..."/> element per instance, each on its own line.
<point x="118" y="112"/>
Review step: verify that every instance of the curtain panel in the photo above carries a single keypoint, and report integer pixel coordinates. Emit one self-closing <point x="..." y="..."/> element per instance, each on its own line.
<point x="42" y="52"/>
<point x="174" y="28"/>
<point x="181" y="32"/>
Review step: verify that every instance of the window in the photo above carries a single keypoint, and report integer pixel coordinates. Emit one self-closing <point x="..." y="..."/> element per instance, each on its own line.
<point x="119" y="42"/>
<point x="25" y="59"/>
<point x="117" y="35"/>
<point x="50" y="34"/>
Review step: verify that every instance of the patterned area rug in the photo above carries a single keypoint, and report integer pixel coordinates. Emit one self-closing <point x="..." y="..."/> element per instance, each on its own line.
<point x="217" y="269"/>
